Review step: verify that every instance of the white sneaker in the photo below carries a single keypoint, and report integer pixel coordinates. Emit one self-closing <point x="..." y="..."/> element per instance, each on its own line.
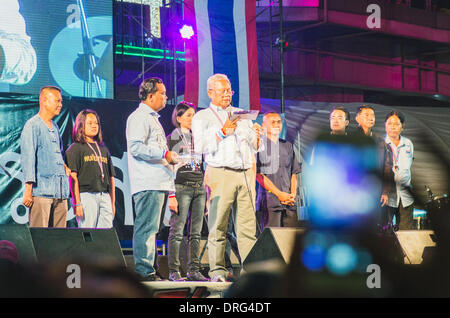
<point x="219" y="279"/>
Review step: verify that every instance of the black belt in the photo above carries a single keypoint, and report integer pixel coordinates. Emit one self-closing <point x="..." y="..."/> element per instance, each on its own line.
<point x="194" y="184"/>
<point x="233" y="169"/>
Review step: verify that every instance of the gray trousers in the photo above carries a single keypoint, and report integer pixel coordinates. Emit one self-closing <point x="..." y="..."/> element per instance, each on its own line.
<point x="229" y="189"/>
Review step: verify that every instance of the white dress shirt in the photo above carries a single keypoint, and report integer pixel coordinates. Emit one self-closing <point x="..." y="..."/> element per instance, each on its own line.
<point x="146" y="146"/>
<point x="403" y="156"/>
<point x="235" y="151"/>
<point x="19" y="56"/>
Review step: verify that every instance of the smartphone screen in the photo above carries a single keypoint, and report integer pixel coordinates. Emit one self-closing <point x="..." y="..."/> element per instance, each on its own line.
<point x="343" y="182"/>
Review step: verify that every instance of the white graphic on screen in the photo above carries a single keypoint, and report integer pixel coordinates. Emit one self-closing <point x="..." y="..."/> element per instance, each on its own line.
<point x="17" y="56"/>
<point x="86" y="45"/>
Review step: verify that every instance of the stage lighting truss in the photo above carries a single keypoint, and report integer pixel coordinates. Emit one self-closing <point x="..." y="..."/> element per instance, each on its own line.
<point x="155" y="18"/>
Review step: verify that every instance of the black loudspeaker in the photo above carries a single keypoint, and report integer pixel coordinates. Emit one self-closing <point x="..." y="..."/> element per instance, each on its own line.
<point x="59" y="244"/>
<point x="20" y="235"/>
<point x="417" y="245"/>
<point x="274" y="243"/>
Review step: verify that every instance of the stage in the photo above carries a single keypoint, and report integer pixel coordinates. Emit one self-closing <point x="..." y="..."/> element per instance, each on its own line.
<point x="168" y="289"/>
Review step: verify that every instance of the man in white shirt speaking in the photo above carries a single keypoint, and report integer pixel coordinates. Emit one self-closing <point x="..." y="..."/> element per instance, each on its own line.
<point x="229" y="146"/>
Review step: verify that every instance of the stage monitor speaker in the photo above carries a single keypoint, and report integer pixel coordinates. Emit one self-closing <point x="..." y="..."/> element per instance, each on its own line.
<point x="203" y="253"/>
<point x="414" y="243"/>
<point x="20" y="235"/>
<point x="60" y="244"/>
<point x="274" y="243"/>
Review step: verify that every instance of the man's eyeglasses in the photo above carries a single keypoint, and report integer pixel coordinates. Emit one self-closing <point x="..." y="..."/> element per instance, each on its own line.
<point x="223" y="92"/>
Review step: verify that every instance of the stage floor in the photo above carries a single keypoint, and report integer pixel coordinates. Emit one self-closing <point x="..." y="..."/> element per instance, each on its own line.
<point x="168" y="289"/>
<point x="186" y="289"/>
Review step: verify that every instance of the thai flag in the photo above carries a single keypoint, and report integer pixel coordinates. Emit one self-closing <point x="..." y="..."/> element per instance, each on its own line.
<point x="225" y="42"/>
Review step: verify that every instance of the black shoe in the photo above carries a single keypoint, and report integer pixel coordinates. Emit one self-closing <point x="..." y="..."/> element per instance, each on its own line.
<point x="149" y="278"/>
<point x="159" y="277"/>
<point x="196" y="277"/>
<point x="176" y="277"/>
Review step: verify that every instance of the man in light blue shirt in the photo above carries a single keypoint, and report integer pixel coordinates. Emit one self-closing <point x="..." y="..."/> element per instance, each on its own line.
<point x="229" y="147"/>
<point x="400" y="200"/>
<point x="151" y="174"/>
<point x="45" y="174"/>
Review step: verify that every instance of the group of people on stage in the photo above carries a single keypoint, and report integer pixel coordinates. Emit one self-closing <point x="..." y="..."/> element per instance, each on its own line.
<point x="209" y="164"/>
<point x="396" y="154"/>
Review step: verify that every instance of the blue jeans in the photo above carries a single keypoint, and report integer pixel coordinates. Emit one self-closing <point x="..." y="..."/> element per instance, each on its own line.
<point x="190" y="195"/>
<point x="97" y="210"/>
<point x="149" y="207"/>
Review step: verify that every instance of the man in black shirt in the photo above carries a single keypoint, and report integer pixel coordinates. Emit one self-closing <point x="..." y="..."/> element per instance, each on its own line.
<point x="365" y="117"/>
<point x="277" y="169"/>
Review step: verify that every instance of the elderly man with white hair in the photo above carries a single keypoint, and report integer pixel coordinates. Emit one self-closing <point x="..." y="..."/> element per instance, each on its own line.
<point x="229" y="147"/>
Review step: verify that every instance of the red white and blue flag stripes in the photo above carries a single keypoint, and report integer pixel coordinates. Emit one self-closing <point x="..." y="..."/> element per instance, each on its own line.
<point x="224" y="42"/>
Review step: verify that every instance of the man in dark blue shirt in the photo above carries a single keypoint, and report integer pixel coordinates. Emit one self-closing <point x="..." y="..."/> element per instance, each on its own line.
<point x="277" y="169"/>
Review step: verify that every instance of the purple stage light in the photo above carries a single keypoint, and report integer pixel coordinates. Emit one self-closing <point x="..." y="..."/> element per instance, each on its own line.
<point x="186" y="32"/>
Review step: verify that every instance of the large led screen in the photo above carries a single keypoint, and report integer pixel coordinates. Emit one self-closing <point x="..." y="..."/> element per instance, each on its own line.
<point x="66" y="43"/>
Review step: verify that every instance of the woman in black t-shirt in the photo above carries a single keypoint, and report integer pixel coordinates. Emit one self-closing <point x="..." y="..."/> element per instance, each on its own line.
<point x="190" y="194"/>
<point x="92" y="173"/>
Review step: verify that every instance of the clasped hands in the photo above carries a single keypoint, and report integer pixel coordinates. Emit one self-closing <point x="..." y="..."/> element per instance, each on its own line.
<point x="286" y="198"/>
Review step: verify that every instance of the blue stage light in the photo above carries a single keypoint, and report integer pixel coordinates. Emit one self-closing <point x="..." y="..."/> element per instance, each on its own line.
<point x="341" y="259"/>
<point x="313" y="257"/>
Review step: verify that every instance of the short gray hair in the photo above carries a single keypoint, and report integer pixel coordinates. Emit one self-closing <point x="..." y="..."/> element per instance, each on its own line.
<point x="216" y="77"/>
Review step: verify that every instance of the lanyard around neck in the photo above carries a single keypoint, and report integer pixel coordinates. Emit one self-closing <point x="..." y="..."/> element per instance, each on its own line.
<point x="217" y="115"/>
<point x="395" y="155"/>
<point x="185" y="141"/>
<point x="98" y="157"/>
<point x="160" y="137"/>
